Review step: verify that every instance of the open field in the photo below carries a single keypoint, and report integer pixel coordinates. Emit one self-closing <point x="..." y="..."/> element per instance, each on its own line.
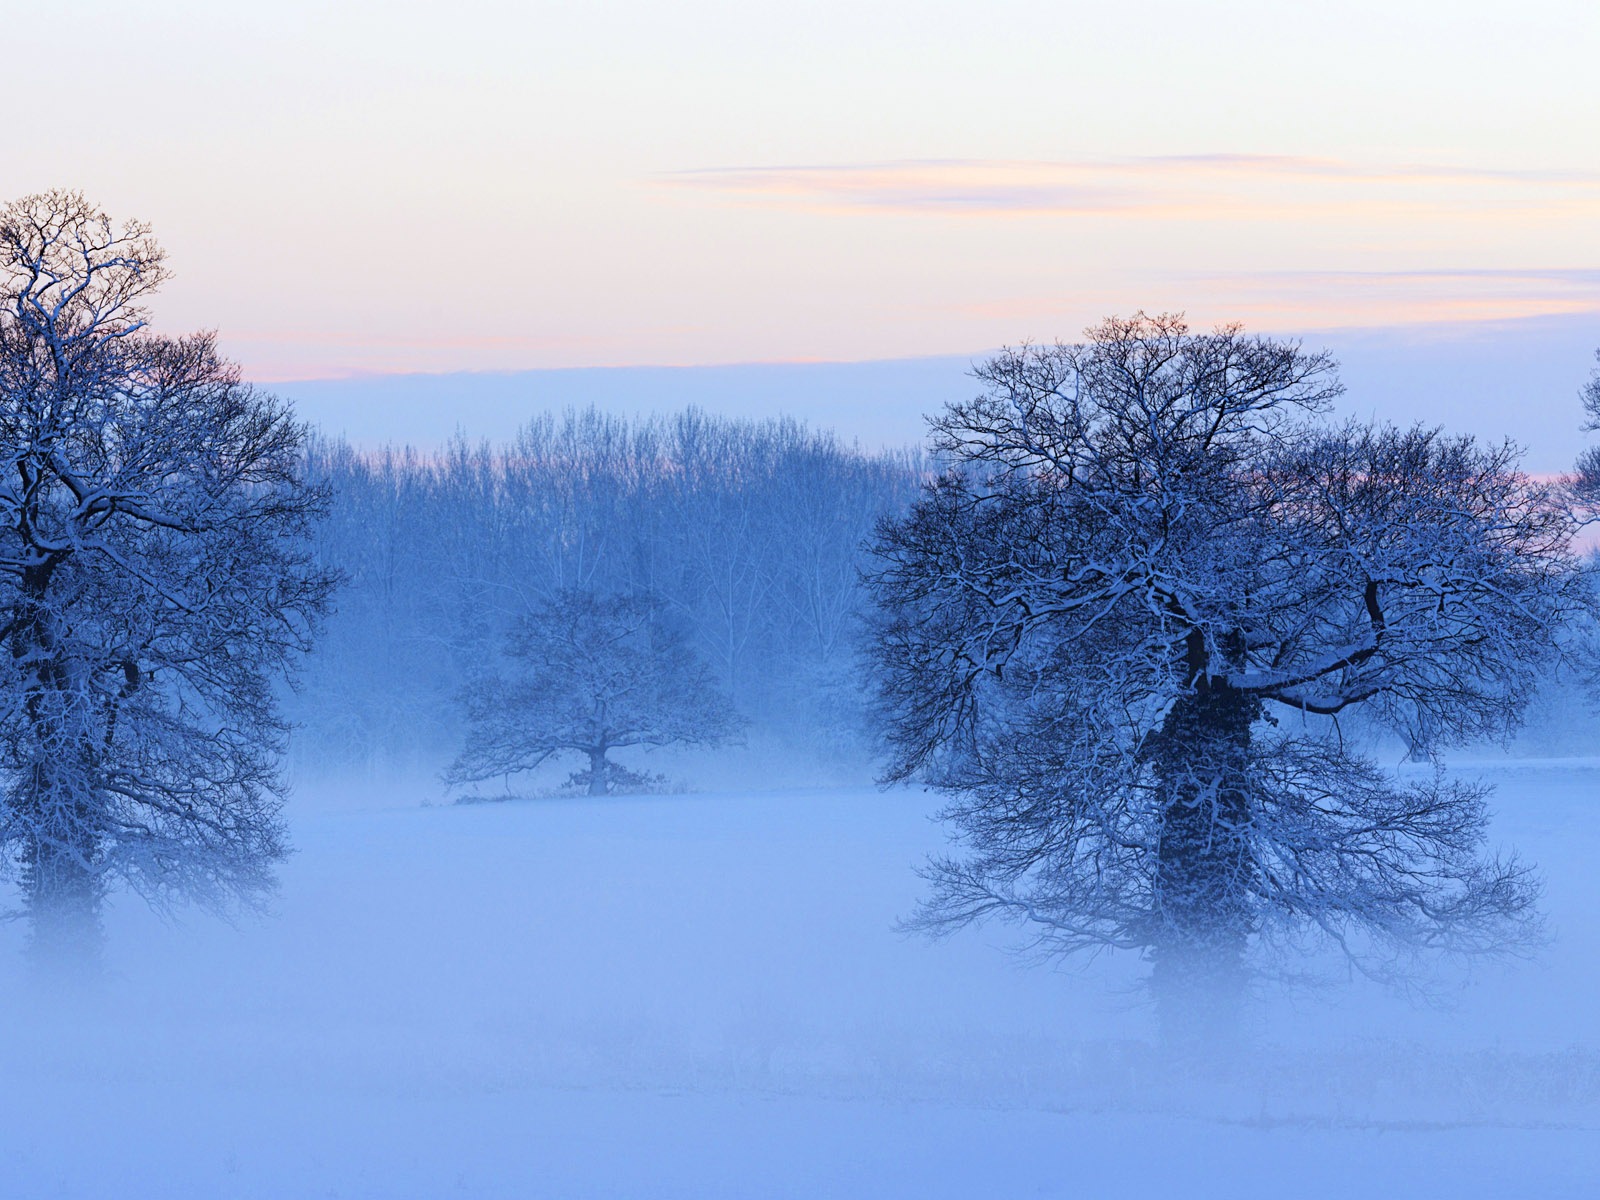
<point x="704" y="995"/>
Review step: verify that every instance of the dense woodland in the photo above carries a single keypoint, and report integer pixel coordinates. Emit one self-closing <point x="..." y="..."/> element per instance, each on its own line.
<point x="748" y="533"/>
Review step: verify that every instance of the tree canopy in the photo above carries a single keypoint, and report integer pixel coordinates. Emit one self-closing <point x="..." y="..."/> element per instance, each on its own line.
<point x="1119" y="630"/>
<point x="155" y="580"/>
<point x="591" y="674"/>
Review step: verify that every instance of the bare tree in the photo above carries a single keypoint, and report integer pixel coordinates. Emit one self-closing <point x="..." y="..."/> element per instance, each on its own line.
<point x="153" y="556"/>
<point x="1117" y="631"/>
<point x="1587" y="479"/>
<point x="593" y="674"/>
<point x="749" y="533"/>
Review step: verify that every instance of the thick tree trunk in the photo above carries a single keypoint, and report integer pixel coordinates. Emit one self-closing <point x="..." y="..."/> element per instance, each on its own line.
<point x="597" y="772"/>
<point x="61" y="888"/>
<point x="56" y="800"/>
<point x="1203" y="920"/>
<point x="63" y="903"/>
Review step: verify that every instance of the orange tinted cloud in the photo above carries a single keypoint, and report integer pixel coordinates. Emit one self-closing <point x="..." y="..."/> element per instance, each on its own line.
<point x="1333" y="299"/>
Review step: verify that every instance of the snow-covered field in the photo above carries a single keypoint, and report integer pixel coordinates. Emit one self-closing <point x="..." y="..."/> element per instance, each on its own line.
<point x="704" y="995"/>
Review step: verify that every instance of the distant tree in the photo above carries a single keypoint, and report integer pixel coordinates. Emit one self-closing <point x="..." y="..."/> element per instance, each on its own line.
<point x="1115" y="630"/>
<point x="592" y="674"/>
<point x="154" y="580"/>
<point x="1587" y="479"/>
<point x="750" y="534"/>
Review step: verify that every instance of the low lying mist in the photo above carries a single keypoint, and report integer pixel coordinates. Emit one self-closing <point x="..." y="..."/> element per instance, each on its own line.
<point x="704" y="993"/>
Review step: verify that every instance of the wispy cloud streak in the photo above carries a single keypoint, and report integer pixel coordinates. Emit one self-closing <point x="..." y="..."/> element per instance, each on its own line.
<point x="1325" y="299"/>
<point x="1219" y="187"/>
<point x="1433" y="295"/>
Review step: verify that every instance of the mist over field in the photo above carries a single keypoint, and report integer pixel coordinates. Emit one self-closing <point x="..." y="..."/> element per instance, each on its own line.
<point x="704" y="994"/>
<point x="733" y="600"/>
<point x="701" y="988"/>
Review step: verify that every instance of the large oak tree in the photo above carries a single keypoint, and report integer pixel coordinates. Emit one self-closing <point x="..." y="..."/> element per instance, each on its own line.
<point x="1120" y="628"/>
<point x="155" y="580"/>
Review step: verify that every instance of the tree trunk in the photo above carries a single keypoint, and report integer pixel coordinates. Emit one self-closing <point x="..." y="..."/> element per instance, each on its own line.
<point x="63" y="903"/>
<point x="597" y="772"/>
<point x="56" y="799"/>
<point x="61" y="889"/>
<point x="1202" y="911"/>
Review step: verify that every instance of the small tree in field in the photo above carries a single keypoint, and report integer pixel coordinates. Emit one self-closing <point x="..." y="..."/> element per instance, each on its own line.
<point x="592" y="674"/>
<point x="1115" y="630"/>
<point x="155" y="578"/>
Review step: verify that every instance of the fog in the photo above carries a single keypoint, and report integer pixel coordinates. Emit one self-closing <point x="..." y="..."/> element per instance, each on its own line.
<point x="703" y="990"/>
<point x="704" y="994"/>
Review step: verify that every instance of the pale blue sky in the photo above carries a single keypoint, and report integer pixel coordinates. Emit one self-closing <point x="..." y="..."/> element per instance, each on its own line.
<point x="480" y="185"/>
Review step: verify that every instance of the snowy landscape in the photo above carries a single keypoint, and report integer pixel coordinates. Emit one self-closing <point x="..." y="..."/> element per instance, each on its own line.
<point x="634" y="757"/>
<point x="1191" y="716"/>
<point x="736" y="600"/>
<point x="704" y="995"/>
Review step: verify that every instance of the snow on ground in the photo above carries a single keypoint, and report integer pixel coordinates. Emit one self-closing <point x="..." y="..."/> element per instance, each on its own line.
<point x="704" y="995"/>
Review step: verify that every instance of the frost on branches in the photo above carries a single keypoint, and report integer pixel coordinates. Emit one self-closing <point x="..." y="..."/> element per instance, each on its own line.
<point x="590" y="674"/>
<point x="155" y="576"/>
<point x="1119" y="628"/>
<point x="1586" y="479"/>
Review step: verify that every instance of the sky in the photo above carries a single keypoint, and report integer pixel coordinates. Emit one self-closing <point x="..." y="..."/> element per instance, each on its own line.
<point x="366" y="188"/>
<point x="1495" y="380"/>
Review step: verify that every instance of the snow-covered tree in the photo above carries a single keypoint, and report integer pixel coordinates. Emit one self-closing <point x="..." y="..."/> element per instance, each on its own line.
<point x="749" y="532"/>
<point x="1587" y="479"/>
<point x="1118" y="630"/>
<point x="591" y="674"/>
<point x="154" y="580"/>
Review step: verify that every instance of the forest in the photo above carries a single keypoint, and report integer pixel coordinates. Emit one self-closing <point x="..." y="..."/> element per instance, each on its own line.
<point x="748" y="534"/>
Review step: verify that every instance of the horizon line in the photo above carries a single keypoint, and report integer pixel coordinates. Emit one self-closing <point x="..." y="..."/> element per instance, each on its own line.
<point x="1436" y="326"/>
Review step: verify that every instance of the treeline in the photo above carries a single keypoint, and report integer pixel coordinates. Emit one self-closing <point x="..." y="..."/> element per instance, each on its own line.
<point x="747" y="532"/>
